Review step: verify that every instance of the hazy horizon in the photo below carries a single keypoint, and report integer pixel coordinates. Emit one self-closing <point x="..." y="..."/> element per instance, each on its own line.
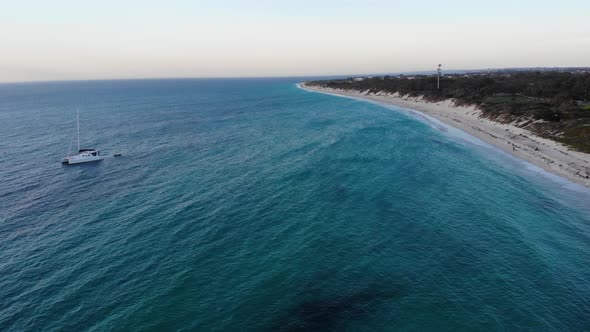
<point x="329" y="76"/>
<point x="67" y="40"/>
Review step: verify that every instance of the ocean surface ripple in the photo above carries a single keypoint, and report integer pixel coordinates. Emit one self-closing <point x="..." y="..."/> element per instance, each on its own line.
<point x="250" y="204"/>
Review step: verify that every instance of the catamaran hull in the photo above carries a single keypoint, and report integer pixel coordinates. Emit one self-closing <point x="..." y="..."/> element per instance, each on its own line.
<point x="72" y="161"/>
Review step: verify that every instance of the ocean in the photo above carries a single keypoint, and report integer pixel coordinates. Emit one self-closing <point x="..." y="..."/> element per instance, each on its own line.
<point x="253" y="205"/>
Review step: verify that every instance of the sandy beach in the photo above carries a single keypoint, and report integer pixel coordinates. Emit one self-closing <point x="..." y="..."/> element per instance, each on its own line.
<point x="550" y="155"/>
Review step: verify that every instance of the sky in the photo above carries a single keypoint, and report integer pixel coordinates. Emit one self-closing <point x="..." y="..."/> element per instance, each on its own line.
<point x="108" y="39"/>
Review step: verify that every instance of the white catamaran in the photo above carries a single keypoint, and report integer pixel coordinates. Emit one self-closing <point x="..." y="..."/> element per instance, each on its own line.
<point x="83" y="155"/>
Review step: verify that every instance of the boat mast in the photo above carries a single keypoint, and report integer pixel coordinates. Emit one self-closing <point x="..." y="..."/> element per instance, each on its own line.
<point x="78" y="127"/>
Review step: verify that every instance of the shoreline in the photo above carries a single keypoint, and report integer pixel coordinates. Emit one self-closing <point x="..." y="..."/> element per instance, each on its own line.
<point x="547" y="154"/>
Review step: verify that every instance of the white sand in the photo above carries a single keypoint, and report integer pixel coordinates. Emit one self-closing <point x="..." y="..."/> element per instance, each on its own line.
<point x="552" y="156"/>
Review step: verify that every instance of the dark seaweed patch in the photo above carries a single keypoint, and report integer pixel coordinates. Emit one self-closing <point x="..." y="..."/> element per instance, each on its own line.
<point x="325" y="313"/>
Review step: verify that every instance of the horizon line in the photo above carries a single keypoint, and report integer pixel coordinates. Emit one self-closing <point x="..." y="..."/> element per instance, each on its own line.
<point x="291" y="76"/>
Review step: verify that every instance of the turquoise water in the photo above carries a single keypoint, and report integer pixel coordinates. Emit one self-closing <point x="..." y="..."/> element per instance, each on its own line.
<point x="254" y="205"/>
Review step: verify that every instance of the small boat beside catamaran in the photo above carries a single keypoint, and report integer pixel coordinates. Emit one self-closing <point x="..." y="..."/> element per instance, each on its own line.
<point x="83" y="155"/>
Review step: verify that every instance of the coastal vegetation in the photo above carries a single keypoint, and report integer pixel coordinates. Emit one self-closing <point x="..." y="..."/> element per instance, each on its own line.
<point x="552" y="104"/>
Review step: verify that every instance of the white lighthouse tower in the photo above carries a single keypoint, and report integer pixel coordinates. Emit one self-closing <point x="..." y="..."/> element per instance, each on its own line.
<point x="438" y="71"/>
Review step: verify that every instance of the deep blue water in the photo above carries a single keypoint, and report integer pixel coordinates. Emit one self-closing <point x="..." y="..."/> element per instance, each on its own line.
<point x="254" y="205"/>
